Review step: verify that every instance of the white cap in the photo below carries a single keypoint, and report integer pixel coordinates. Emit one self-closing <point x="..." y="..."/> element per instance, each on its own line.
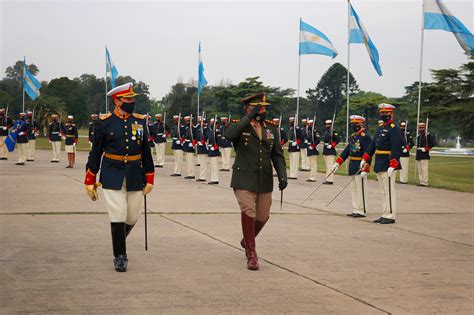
<point x="328" y="121"/>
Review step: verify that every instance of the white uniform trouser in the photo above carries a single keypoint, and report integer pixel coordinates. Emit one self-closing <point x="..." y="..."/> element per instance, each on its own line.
<point x="294" y="161"/>
<point x="226" y="158"/>
<point x="3" y="147"/>
<point x="389" y="199"/>
<point x="404" y="171"/>
<point x="160" y="153"/>
<point x="214" y="168"/>
<point x="31" y="149"/>
<point x="304" y="159"/>
<point x="189" y="163"/>
<point x="329" y="159"/>
<point x="123" y="205"/>
<point x="22" y="152"/>
<point x="422" y="166"/>
<point x="178" y="161"/>
<point x="359" y="195"/>
<point x="313" y="162"/>
<point x="56" y="150"/>
<point x="202" y="160"/>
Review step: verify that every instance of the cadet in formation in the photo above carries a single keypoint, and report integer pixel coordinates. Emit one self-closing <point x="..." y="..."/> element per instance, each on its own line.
<point x="331" y="139"/>
<point x="5" y="124"/>
<point x="177" y="135"/>
<point x="305" y="165"/>
<point x="33" y="131"/>
<point x="213" y="151"/>
<point x="313" y="140"/>
<point x="151" y="129"/>
<point x="72" y="137"/>
<point x="294" y="142"/>
<point x="189" y="147"/>
<point x="386" y="146"/>
<point x="202" y="134"/>
<point x="22" y="128"/>
<point x="257" y="148"/>
<point x="162" y="132"/>
<point x="122" y="153"/>
<point x="407" y="145"/>
<point x="359" y="143"/>
<point x="92" y="124"/>
<point x="424" y="143"/>
<point x="55" y="129"/>
<point x="225" y="145"/>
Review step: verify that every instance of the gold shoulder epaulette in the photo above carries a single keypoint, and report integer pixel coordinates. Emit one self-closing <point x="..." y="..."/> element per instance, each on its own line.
<point x="139" y="116"/>
<point x="105" y="116"/>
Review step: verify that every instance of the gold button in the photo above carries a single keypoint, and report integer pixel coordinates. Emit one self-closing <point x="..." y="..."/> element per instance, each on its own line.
<point x="126" y="126"/>
<point x="126" y="133"/>
<point x="126" y="148"/>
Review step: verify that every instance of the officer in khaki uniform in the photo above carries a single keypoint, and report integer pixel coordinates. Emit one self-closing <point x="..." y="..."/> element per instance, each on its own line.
<point x="359" y="142"/>
<point x="122" y="153"/>
<point x="257" y="148"/>
<point x="424" y="143"/>
<point x="386" y="146"/>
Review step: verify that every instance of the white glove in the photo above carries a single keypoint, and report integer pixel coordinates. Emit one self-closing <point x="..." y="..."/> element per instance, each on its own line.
<point x="329" y="146"/>
<point x="335" y="167"/>
<point x="363" y="174"/>
<point x="390" y="171"/>
<point x="362" y="164"/>
<point x="423" y="150"/>
<point x="294" y="144"/>
<point x="178" y="142"/>
<point x="405" y="150"/>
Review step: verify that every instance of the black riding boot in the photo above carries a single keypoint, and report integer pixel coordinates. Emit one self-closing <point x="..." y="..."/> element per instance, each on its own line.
<point x="119" y="246"/>
<point x="128" y="228"/>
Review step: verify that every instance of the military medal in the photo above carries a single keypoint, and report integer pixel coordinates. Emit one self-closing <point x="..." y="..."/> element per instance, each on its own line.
<point x="134" y="138"/>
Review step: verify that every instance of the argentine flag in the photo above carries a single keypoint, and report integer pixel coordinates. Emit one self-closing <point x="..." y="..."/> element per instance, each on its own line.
<point x="110" y="68"/>
<point x="359" y="35"/>
<point x="437" y="17"/>
<point x="201" y="79"/>
<point x="313" y="41"/>
<point x="30" y="84"/>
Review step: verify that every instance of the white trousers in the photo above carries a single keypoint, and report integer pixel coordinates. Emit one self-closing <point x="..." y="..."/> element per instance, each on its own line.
<point x="304" y="159"/>
<point x="225" y="152"/>
<point x="189" y="163"/>
<point x="178" y="161"/>
<point x="214" y="168"/>
<point x="123" y="205"/>
<point x="389" y="199"/>
<point x="294" y="161"/>
<point x="404" y="161"/>
<point x="160" y="153"/>
<point x="202" y="160"/>
<point x="313" y="162"/>
<point x="31" y="149"/>
<point x="56" y="150"/>
<point x="422" y="167"/>
<point x="22" y="152"/>
<point x="329" y="159"/>
<point x="359" y="195"/>
<point x="3" y="147"/>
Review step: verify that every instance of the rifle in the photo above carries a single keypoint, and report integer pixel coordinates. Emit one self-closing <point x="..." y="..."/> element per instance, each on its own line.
<point x="426" y="131"/>
<point x="332" y="124"/>
<point x="279" y="129"/>
<point x="312" y="128"/>
<point x="191" y="128"/>
<point x="202" y="122"/>
<point x="178" y="126"/>
<point x="214" y="130"/>
<point x="164" y="124"/>
<point x="6" y="115"/>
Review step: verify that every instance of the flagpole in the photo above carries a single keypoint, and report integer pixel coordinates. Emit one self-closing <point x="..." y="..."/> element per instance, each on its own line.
<point x="198" y="81"/>
<point x="348" y="67"/>
<point x="299" y="76"/>
<point x="106" y="101"/>
<point x="421" y="72"/>
<point x="24" y="74"/>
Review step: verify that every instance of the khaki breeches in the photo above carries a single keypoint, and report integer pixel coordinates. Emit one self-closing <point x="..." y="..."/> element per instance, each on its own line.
<point x="254" y="205"/>
<point x="123" y="205"/>
<point x="389" y="199"/>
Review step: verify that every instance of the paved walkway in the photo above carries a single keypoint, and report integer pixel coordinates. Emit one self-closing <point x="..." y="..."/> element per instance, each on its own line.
<point x="56" y="250"/>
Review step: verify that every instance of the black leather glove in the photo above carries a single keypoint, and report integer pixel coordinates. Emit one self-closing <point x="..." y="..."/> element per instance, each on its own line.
<point x="254" y="113"/>
<point x="283" y="182"/>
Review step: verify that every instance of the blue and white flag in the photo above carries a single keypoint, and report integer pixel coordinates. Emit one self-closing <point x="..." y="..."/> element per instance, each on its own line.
<point x="30" y="84"/>
<point x="437" y="17"/>
<point x="10" y="141"/>
<point x="201" y="78"/>
<point x="110" y="68"/>
<point x="359" y="35"/>
<point x="312" y="41"/>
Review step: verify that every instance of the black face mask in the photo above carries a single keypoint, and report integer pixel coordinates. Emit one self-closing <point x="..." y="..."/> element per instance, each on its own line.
<point x="356" y="128"/>
<point x="385" y="118"/>
<point x="128" y="107"/>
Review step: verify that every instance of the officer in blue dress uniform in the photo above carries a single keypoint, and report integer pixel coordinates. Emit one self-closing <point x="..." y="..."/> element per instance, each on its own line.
<point x="386" y="146"/>
<point x="72" y="137"/>
<point x="189" y="147"/>
<point x="313" y="139"/>
<point x="177" y="135"/>
<point x="305" y="167"/>
<point x="93" y="121"/>
<point x="22" y="139"/>
<point x="331" y="139"/>
<point x="295" y="138"/>
<point x="55" y="129"/>
<point x="162" y="132"/>
<point x="202" y="135"/>
<point x="214" y="137"/>
<point x="424" y="143"/>
<point x="33" y="129"/>
<point x="407" y="144"/>
<point x="122" y="153"/>
<point x="225" y="145"/>
<point x="5" y="124"/>
<point x="358" y="144"/>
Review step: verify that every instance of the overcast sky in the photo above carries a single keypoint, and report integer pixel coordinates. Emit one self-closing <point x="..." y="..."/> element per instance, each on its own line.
<point x="156" y="41"/>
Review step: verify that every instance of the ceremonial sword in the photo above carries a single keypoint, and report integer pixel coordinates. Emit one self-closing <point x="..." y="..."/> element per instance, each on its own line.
<point x="344" y="187"/>
<point x="144" y="196"/>
<point x="332" y="172"/>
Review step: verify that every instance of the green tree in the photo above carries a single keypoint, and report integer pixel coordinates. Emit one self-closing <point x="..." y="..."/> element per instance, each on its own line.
<point x="15" y="72"/>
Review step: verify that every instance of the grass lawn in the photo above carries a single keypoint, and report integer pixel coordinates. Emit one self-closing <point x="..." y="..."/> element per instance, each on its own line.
<point x="453" y="173"/>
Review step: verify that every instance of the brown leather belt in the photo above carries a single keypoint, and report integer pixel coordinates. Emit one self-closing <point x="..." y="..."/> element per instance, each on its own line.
<point x="123" y="158"/>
